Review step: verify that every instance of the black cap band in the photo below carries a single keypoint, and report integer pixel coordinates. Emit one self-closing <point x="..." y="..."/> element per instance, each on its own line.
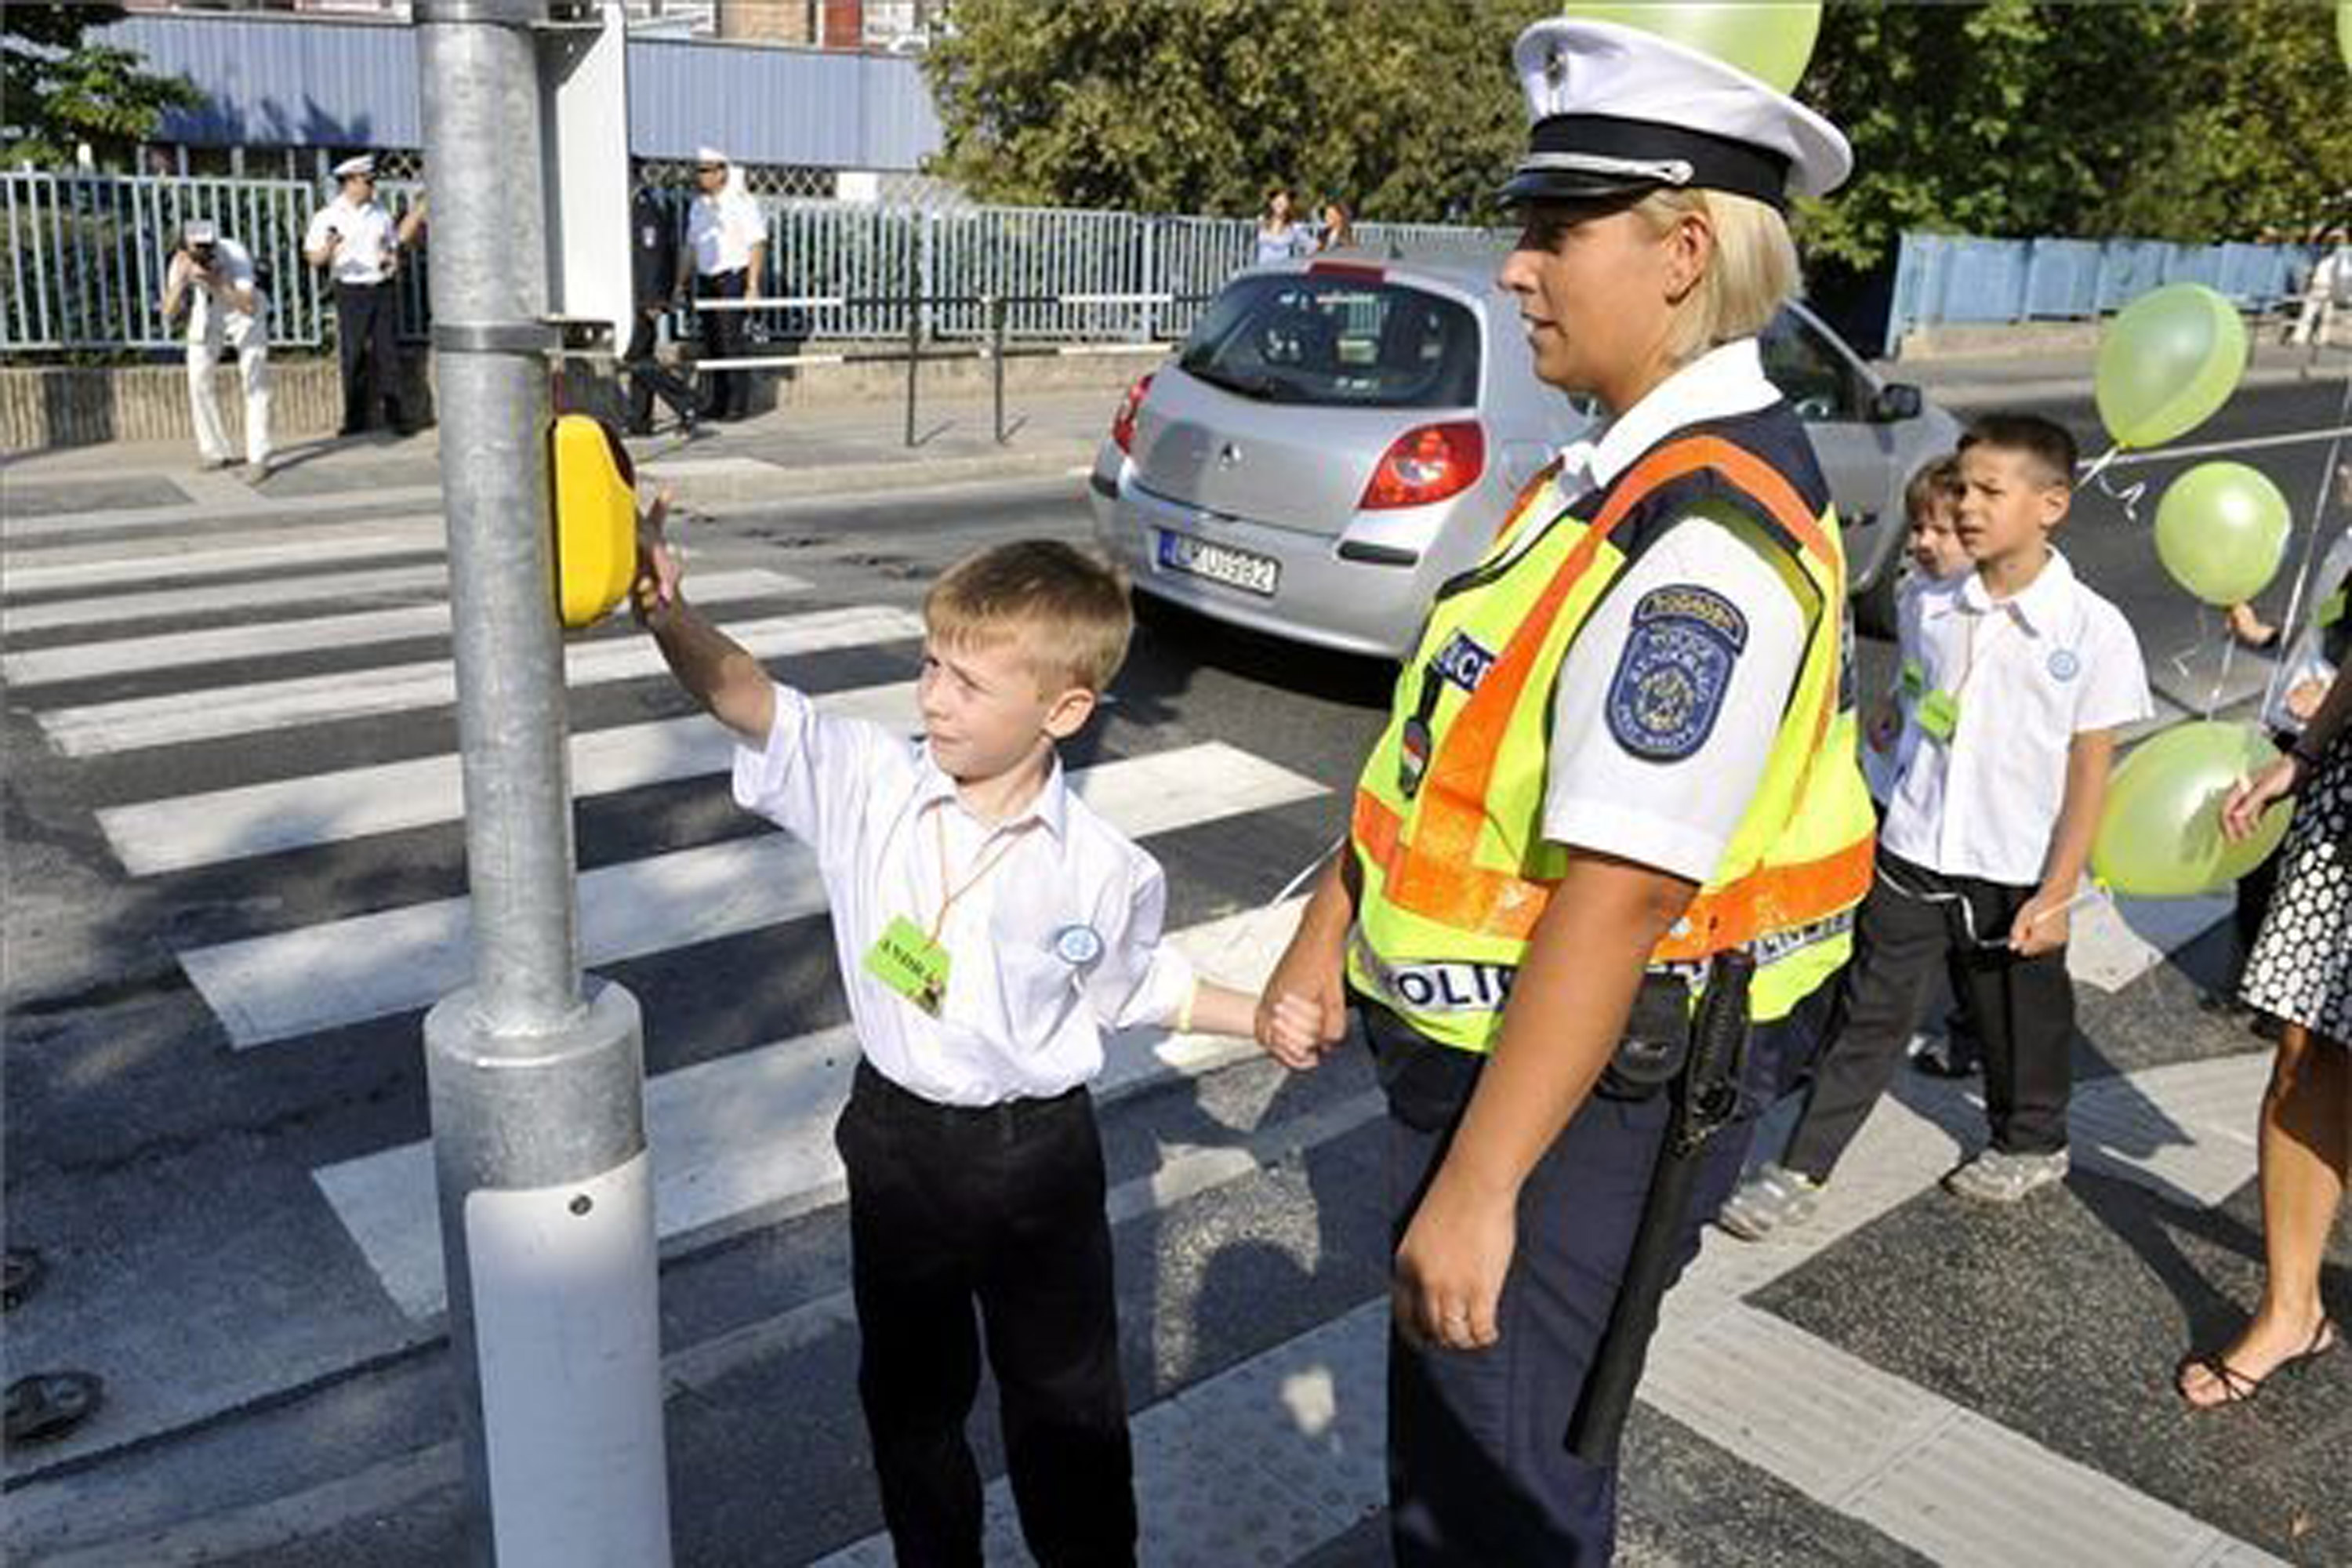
<point x="1630" y="155"/>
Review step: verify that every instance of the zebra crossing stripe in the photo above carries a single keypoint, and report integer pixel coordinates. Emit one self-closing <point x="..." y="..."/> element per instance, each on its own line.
<point x="749" y="1134"/>
<point x="194" y="558"/>
<point x="189" y="830"/>
<point x="321" y="587"/>
<point x="225" y="644"/>
<point x="251" y="506"/>
<point x="102" y="728"/>
<point x="342" y="972"/>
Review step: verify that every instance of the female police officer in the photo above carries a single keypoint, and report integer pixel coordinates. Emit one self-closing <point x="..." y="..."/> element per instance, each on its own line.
<point x="1623" y="749"/>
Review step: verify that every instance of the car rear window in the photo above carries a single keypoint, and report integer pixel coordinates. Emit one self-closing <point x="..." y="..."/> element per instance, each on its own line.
<point x="1336" y="341"/>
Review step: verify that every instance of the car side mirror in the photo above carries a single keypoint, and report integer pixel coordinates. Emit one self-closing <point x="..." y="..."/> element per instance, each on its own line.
<point x="1897" y="400"/>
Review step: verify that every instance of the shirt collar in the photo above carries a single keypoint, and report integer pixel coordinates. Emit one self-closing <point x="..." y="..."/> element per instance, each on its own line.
<point x="1727" y="380"/>
<point x="2039" y="607"/>
<point x="1050" y="809"/>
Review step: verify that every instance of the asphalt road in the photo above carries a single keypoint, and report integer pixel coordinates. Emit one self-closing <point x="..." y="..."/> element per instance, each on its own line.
<point x="223" y="1174"/>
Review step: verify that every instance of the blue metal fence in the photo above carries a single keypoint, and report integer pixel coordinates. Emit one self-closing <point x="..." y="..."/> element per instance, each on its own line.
<point x="1943" y="280"/>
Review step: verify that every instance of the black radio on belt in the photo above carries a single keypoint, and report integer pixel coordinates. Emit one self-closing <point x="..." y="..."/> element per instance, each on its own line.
<point x="1656" y="1043"/>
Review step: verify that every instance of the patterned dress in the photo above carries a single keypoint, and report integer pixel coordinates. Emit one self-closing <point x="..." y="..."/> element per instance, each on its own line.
<point x="2301" y="966"/>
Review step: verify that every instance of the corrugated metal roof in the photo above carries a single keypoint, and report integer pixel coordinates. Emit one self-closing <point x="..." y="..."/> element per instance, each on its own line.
<point x="271" y="81"/>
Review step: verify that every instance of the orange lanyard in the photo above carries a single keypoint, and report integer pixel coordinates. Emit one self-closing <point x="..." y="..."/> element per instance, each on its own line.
<point x="987" y="864"/>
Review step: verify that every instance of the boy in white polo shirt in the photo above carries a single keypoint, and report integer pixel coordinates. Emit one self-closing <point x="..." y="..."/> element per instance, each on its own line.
<point x="2026" y="674"/>
<point x="989" y="927"/>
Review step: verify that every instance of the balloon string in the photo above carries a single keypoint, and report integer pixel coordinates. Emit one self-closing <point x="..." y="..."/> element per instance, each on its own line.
<point x="2183" y="661"/>
<point x="2290" y="626"/>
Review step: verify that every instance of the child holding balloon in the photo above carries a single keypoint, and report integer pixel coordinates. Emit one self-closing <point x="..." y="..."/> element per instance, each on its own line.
<point x="2026" y="674"/>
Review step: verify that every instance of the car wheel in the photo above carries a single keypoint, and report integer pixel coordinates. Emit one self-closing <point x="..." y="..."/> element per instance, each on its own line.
<point x="1873" y="607"/>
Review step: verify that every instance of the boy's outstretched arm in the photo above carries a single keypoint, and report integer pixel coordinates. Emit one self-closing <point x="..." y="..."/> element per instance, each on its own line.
<point x="712" y="666"/>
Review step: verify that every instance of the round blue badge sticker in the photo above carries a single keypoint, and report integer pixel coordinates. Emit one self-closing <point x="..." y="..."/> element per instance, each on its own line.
<point x="2063" y="665"/>
<point x="1077" y="945"/>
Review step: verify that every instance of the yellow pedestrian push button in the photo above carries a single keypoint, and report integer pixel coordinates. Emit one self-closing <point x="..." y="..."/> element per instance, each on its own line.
<point x="596" y="519"/>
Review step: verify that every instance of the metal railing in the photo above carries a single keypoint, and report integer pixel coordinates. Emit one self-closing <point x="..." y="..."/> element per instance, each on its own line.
<point x="1953" y="279"/>
<point x="88" y="252"/>
<point x="87" y="255"/>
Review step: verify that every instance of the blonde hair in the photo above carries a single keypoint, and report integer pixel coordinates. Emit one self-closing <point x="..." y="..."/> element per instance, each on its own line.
<point x="1750" y="274"/>
<point x="1067" y="609"/>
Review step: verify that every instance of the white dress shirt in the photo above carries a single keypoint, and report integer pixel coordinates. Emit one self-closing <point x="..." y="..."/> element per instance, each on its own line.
<point x="1057" y="940"/>
<point x="218" y="300"/>
<point x="2029" y="673"/>
<point x="371" y="244"/>
<point x="722" y="229"/>
<point x="1678" y="814"/>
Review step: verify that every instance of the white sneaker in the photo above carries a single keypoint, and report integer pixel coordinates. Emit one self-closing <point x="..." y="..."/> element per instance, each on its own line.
<point x="1997" y="1176"/>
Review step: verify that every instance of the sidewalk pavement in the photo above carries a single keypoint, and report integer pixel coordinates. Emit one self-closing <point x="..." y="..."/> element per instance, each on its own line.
<point x="861" y="447"/>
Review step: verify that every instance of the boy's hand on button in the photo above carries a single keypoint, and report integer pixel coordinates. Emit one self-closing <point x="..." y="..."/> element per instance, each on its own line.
<point x="658" y="572"/>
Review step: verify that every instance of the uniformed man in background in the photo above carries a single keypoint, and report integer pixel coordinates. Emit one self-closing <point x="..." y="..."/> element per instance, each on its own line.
<point x="355" y="240"/>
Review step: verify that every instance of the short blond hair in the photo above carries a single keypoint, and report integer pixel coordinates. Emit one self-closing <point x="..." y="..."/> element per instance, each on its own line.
<point x="1067" y="608"/>
<point x="1751" y="273"/>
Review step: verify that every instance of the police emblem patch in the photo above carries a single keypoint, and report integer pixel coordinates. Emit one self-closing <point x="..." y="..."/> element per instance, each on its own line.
<point x="1674" y="671"/>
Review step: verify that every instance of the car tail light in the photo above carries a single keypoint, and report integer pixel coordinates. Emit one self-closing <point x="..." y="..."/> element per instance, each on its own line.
<point x="1427" y="464"/>
<point x="1122" y="424"/>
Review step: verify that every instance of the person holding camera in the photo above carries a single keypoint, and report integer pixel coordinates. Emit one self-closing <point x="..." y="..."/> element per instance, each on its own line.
<point x="213" y="278"/>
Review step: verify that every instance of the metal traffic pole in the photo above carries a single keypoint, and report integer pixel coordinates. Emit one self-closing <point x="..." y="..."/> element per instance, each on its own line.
<point x="996" y="358"/>
<point x="546" y="1196"/>
<point x="914" y="364"/>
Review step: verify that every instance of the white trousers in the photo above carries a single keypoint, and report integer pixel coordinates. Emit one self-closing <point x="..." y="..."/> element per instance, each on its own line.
<point x="248" y="336"/>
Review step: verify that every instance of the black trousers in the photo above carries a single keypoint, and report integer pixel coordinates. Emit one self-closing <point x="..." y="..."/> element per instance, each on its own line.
<point x="1480" y="1475"/>
<point x="2023" y="1009"/>
<point x="368" y="354"/>
<point x="726" y="393"/>
<point x="1000" y="1209"/>
<point x="647" y="378"/>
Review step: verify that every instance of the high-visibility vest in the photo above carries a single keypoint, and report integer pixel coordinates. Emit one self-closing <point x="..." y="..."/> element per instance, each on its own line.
<point x="1447" y="826"/>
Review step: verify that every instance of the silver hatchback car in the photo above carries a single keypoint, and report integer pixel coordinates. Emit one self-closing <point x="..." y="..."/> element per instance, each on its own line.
<point x="1339" y="437"/>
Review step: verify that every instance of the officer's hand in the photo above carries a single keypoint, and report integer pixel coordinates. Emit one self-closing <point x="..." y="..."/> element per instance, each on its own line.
<point x="1290" y="1028"/>
<point x="1313" y="974"/>
<point x="1447" y="1281"/>
<point x="1885" y="725"/>
<point x="2042" y="926"/>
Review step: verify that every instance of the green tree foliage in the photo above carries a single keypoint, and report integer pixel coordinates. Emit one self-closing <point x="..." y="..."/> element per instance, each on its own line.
<point x="58" y="90"/>
<point x="1403" y="109"/>
<point x="2192" y="119"/>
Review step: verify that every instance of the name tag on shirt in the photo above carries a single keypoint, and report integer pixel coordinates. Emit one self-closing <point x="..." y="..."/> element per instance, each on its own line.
<point x="908" y="962"/>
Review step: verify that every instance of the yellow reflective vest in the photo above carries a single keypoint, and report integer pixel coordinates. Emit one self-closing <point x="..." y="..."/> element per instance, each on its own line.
<point x="1447" y="823"/>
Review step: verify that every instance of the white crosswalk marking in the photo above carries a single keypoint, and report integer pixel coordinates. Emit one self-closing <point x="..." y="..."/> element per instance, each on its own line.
<point x="187" y="830"/>
<point x="107" y="609"/>
<point x="251" y="506"/>
<point x="752" y="1132"/>
<point x="181" y="560"/>
<point x="225" y="645"/>
<point x="101" y="728"/>
<point x="342" y="971"/>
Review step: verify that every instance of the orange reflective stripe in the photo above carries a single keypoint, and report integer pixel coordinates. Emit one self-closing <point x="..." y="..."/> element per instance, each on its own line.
<point x="1528" y="492"/>
<point x="1463" y="769"/>
<point x="1497" y="903"/>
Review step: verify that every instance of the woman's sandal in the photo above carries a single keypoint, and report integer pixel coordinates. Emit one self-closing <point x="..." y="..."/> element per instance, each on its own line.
<point x="49" y="1405"/>
<point x="2237" y="1388"/>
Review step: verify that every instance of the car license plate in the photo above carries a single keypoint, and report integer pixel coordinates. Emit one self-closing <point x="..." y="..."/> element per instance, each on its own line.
<point x="1219" y="562"/>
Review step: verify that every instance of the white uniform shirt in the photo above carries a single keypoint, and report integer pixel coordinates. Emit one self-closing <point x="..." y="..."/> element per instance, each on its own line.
<point x="224" y="295"/>
<point x="1672" y="800"/>
<point x="2029" y="673"/>
<point x="1057" y="941"/>
<point x="370" y="243"/>
<point x="722" y="230"/>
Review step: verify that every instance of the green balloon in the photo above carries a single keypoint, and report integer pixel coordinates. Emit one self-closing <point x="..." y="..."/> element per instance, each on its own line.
<point x="1769" y="40"/>
<point x="2166" y="363"/>
<point x="2160" y="834"/>
<point x="2222" y="531"/>
<point x="2344" y="28"/>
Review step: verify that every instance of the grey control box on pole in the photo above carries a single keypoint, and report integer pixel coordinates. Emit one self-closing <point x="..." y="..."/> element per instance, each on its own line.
<point x="537" y="1085"/>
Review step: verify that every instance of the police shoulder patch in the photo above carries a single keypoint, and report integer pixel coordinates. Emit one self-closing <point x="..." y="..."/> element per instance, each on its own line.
<point x="1674" y="671"/>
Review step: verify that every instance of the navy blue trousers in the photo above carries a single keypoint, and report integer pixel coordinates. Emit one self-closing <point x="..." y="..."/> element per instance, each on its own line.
<point x="1480" y="1475"/>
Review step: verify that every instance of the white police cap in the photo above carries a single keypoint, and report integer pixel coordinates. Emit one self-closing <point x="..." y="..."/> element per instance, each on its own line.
<point x="199" y="231"/>
<point x="1618" y="111"/>
<point x="361" y="167"/>
<point x="710" y="155"/>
